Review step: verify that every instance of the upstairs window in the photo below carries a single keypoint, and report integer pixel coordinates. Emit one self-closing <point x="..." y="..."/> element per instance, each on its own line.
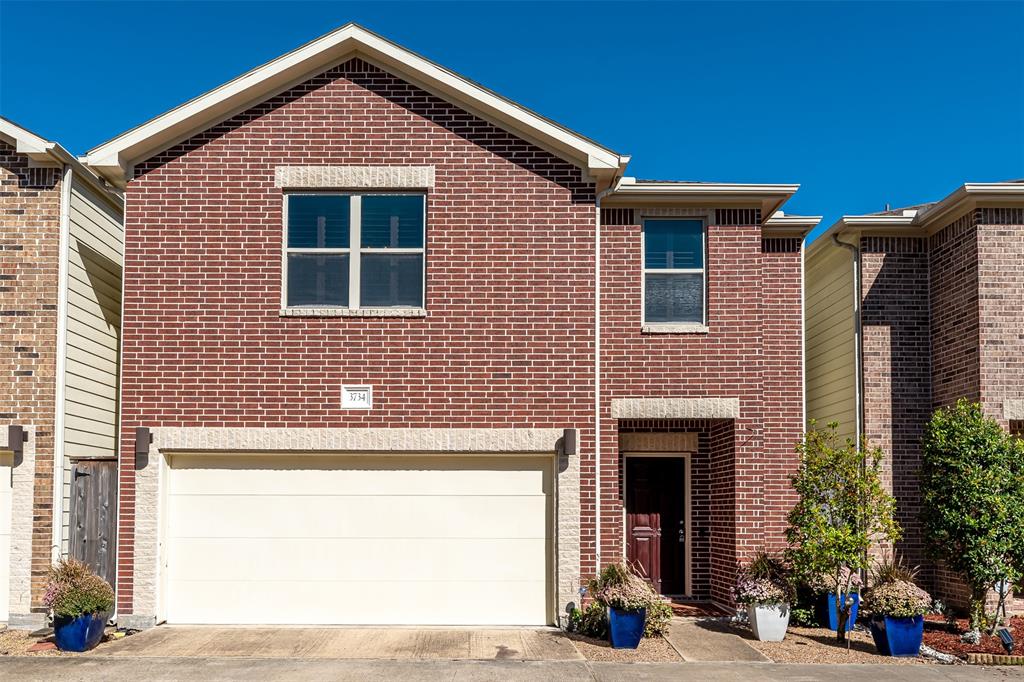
<point x="354" y="250"/>
<point x="674" y="277"/>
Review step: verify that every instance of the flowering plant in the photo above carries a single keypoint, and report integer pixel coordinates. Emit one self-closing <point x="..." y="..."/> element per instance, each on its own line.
<point x="72" y="590"/>
<point x="759" y="591"/>
<point x="897" y="599"/>
<point x="620" y="588"/>
<point x="848" y="580"/>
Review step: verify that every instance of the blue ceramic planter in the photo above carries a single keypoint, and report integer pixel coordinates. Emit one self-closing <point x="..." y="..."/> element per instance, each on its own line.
<point x="828" y="616"/>
<point x="79" y="634"/>
<point x="897" y="636"/>
<point x="626" y="628"/>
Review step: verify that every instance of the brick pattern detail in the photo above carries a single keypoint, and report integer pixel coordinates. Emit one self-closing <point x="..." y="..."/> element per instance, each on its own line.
<point x="738" y="216"/>
<point x="617" y="216"/>
<point x="29" y="264"/>
<point x="508" y="338"/>
<point x="897" y="374"/>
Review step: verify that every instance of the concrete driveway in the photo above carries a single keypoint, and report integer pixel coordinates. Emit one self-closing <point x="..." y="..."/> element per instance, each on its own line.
<point x="345" y="643"/>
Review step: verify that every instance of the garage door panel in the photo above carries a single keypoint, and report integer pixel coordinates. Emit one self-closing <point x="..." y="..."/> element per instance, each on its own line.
<point x="280" y="539"/>
<point x="358" y="559"/>
<point x="347" y="603"/>
<point x="360" y="516"/>
<point x="325" y="475"/>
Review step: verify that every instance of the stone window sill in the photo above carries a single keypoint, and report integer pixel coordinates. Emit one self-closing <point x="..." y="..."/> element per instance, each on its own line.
<point x="347" y="312"/>
<point x="675" y="328"/>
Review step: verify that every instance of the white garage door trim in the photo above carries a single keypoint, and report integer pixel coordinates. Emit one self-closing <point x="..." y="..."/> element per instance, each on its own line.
<point x="359" y="539"/>
<point x="6" y="510"/>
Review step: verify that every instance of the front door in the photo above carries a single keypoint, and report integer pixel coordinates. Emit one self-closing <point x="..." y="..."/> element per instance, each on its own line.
<point x="655" y="520"/>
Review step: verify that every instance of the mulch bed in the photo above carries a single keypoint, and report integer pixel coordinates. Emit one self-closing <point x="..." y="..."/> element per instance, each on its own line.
<point x="939" y="636"/>
<point x="651" y="650"/>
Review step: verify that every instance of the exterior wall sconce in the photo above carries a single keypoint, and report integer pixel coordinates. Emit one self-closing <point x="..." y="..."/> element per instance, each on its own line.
<point x="569" y="442"/>
<point x="143" y="439"/>
<point x="16" y="439"/>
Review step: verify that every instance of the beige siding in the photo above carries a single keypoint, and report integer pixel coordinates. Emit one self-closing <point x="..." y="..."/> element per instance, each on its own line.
<point x="830" y="344"/>
<point x="95" y="256"/>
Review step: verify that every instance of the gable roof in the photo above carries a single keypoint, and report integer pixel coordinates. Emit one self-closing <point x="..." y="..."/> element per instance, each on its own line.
<point x="115" y="158"/>
<point x="46" y="153"/>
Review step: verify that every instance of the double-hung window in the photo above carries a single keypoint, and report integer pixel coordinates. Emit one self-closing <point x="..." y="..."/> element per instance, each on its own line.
<point x="674" y="276"/>
<point x="354" y="251"/>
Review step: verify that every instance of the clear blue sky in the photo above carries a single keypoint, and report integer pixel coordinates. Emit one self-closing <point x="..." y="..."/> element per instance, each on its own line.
<point x="861" y="103"/>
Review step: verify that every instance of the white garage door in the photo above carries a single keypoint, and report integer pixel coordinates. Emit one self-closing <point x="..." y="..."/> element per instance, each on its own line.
<point x="5" y="536"/>
<point x="272" y="539"/>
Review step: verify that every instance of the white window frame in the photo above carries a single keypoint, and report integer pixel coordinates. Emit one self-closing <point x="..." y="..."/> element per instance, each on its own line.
<point x="354" y="252"/>
<point x="703" y="272"/>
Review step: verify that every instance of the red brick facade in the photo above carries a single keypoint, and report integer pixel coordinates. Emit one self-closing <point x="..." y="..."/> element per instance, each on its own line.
<point x="942" y="319"/>
<point x="29" y="265"/>
<point x="508" y="340"/>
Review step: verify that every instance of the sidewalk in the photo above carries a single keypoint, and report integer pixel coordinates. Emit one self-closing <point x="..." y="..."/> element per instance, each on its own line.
<point x="247" y="669"/>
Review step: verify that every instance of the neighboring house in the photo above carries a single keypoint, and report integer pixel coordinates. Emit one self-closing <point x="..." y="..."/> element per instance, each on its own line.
<point x="909" y="310"/>
<point x="60" y="301"/>
<point x="364" y="377"/>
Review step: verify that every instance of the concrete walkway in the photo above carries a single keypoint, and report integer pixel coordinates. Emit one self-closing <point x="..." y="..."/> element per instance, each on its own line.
<point x="248" y="669"/>
<point x="170" y="641"/>
<point x="709" y="641"/>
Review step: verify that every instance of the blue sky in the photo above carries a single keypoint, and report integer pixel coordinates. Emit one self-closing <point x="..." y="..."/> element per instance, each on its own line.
<point x="862" y="103"/>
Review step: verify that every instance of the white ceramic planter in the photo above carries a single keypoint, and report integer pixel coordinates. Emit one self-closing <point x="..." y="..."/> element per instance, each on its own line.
<point x="768" y="621"/>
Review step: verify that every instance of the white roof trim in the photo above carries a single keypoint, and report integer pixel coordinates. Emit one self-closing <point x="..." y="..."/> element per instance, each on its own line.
<point x="114" y="158"/>
<point x="25" y="141"/>
<point x="803" y="223"/>
<point x="771" y="197"/>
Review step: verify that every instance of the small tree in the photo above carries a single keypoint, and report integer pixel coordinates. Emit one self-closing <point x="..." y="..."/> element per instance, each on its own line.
<point x="972" y="484"/>
<point x="843" y="509"/>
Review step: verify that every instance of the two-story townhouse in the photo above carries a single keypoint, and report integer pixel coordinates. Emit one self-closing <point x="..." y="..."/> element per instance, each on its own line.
<point x="398" y="350"/>
<point x="60" y="307"/>
<point x="909" y="310"/>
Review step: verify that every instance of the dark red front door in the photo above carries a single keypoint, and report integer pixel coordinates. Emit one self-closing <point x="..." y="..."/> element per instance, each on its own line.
<point x="655" y="531"/>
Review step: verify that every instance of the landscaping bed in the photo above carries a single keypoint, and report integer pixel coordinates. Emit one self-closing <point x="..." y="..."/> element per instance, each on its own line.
<point x="819" y="645"/>
<point x="22" y="643"/>
<point x="651" y="650"/>
<point x="938" y="635"/>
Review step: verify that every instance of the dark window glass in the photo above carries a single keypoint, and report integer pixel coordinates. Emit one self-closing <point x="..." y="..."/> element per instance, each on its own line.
<point x="674" y="298"/>
<point x="391" y="280"/>
<point x="673" y="244"/>
<point x="390" y="221"/>
<point x="318" y="221"/>
<point x="317" y="280"/>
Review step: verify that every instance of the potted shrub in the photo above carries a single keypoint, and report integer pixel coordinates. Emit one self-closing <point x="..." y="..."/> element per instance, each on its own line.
<point x="897" y="616"/>
<point x="763" y="588"/>
<point x="81" y="602"/>
<point x="829" y="604"/>
<point x="627" y="597"/>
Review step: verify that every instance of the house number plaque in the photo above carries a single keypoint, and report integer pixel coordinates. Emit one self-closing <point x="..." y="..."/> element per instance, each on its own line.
<point x="357" y="397"/>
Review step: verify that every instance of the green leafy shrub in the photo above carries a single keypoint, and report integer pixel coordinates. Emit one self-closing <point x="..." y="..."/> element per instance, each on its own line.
<point x="659" y="617"/>
<point x="972" y="485"/>
<point x="72" y="590"/>
<point x="897" y="599"/>
<point x="842" y="510"/>
<point x="592" y="621"/>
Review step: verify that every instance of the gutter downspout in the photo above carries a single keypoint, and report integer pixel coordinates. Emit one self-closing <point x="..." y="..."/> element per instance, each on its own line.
<point x="57" y="519"/>
<point x="597" y="369"/>
<point x="857" y="340"/>
<point x="803" y="328"/>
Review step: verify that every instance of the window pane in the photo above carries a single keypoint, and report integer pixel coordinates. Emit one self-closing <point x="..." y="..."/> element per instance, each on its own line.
<point x="673" y="244"/>
<point x="392" y="221"/>
<point x="674" y="298"/>
<point x="317" y="281"/>
<point x="388" y="280"/>
<point x="318" y="221"/>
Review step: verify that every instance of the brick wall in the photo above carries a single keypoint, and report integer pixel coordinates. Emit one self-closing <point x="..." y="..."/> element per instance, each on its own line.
<point x="29" y="263"/>
<point x="508" y="337"/>
<point x="897" y="376"/>
<point x="744" y="355"/>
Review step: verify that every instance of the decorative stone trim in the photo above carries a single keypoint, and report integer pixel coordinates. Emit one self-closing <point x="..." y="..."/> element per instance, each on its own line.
<point x="676" y="408"/>
<point x="350" y="312"/>
<point x="1013" y="410"/>
<point x="675" y="328"/>
<point x="21" y="616"/>
<point x="658" y="442"/>
<point x="243" y="439"/>
<point x="442" y="442"/>
<point x="354" y="177"/>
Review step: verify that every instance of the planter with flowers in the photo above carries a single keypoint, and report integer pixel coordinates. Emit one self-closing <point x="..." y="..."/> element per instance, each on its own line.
<point x="897" y="616"/>
<point x="829" y="603"/>
<point x="763" y="587"/>
<point x="81" y="603"/>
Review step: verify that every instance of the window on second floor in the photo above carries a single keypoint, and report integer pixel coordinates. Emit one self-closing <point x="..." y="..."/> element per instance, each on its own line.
<point x="674" y="276"/>
<point x="354" y="250"/>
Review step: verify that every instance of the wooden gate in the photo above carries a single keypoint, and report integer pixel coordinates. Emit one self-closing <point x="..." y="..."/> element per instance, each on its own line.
<point x="93" y="526"/>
